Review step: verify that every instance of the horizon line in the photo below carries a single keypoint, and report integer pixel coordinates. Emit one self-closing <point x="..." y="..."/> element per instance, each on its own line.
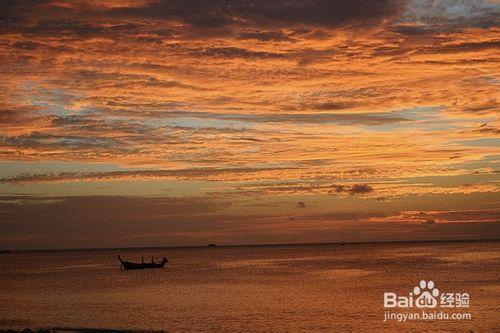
<point x="255" y="245"/>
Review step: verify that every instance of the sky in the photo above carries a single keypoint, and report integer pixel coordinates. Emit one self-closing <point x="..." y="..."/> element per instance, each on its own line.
<point x="171" y="123"/>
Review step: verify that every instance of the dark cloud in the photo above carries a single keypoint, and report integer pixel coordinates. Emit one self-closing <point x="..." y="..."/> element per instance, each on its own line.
<point x="466" y="215"/>
<point x="205" y="18"/>
<point x="321" y="12"/>
<point x="266" y="36"/>
<point x="356" y="189"/>
<point x="379" y="118"/>
<point x="202" y="19"/>
<point x="217" y="13"/>
<point x="485" y="128"/>
<point x="346" y="119"/>
<point x="235" y="52"/>
<point x="464" y="47"/>
<point x="17" y="116"/>
<point x="480" y="108"/>
<point x="412" y="30"/>
<point x="360" y="189"/>
<point x="333" y="106"/>
<point x="14" y="11"/>
<point x="433" y="217"/>
<point x="38" y="139"/>
<point x="299" y="188"/>
<point x="83" y="28"/>
<point x="96" y="176"/>
<point x="97" y="79"/>
<point x="26" y="45"/>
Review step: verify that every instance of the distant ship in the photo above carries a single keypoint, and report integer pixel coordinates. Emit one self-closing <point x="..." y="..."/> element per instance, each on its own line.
<point x="211" y="245"/>
<point x="127" y="265"/>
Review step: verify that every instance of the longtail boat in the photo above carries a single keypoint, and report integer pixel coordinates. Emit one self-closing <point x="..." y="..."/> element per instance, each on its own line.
<point x="142" y="265"/>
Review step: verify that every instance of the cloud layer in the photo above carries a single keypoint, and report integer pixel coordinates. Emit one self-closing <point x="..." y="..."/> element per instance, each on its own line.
<point x="347" y="101"/>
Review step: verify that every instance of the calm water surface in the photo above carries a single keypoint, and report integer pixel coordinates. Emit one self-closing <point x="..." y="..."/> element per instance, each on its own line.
<point x="260" y="288"/>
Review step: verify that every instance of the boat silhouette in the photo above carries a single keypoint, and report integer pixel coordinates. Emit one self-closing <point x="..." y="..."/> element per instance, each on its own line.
<point x="127" y="265"/>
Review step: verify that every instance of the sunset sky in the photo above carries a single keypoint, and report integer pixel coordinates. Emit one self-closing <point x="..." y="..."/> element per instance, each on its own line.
<point x="151" y="123"/>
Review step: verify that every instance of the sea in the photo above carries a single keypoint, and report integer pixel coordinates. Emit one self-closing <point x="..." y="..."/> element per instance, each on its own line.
<point x="272" y="288"/>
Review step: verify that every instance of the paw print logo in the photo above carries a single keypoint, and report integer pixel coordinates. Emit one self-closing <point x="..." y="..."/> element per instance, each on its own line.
<point x="427" y="293"/>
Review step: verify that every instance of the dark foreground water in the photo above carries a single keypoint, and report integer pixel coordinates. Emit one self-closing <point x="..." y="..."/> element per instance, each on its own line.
<point x="261" y="288"/>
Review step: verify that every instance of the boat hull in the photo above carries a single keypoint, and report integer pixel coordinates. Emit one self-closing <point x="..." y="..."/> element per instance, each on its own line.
<point x="132" y="265"/>
<point x="127" y="265"/>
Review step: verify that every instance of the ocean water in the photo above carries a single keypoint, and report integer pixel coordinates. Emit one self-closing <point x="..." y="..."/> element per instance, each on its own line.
<point x="291" y="288"/>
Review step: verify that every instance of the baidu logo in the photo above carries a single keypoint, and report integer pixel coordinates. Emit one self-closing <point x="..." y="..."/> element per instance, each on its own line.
<point x="426" y="302"/>
<point x="426" y="295"/>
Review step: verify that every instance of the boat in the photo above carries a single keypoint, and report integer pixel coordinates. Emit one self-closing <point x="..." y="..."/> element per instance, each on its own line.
<point x="4" y="251"/>
<point x="127" y="265"/>
<point x="211" y="245"/>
